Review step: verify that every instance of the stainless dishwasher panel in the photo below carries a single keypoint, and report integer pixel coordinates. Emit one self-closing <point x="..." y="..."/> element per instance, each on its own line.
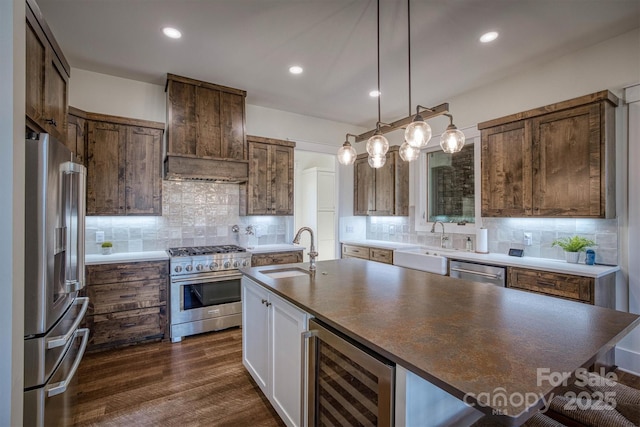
<point x="478" y="272"/>
<point x="347" y="384"/>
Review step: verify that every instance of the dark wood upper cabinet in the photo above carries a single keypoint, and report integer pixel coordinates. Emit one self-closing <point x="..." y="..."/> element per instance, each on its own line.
<point x="76" y="134"/>
<point x="205" y="131"/>
<point x="269" y="190"/>
<point x="553" y="161"/>
<point x="123" y="166"/>
<point x="383" y="191"/>
<point x="47" y="77"/>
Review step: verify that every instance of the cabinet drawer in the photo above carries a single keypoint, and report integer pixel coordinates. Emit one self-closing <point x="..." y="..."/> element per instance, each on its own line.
<point x="276" y="258"/>
<point x="126" y="272"/>
<point x="381" y="255"/>
<point x="126" y="327"/>
<point x="355" y="251"/>
<point x="115" y="297"/>
<point x="554" y="284"/>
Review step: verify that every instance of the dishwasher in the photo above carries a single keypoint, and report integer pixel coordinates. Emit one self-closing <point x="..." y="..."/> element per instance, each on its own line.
<point x="483" y="273"/>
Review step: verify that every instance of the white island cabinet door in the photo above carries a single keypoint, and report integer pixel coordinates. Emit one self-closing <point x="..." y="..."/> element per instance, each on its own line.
<point x="287" y="325"/>
<point x="255" y="333"/>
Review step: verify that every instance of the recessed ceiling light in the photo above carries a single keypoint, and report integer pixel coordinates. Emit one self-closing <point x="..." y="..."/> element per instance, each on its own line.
<point x="171" y="32"/>
<point x="296" y="69"/>
<point x="489" y="37"/>
<point x="374" y="94"/>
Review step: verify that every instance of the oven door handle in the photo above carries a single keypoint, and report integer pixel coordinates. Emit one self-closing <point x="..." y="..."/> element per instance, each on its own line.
<point x="205" y="279"/>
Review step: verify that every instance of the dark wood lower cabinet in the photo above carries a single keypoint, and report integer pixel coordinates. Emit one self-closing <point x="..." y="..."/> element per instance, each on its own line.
<point x="275" y="258"/>
<point x="128" y="303"/>
<point x="600" y="291"/>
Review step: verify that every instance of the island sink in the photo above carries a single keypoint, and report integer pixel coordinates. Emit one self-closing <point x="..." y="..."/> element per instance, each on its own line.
<point x="284" y="273"/>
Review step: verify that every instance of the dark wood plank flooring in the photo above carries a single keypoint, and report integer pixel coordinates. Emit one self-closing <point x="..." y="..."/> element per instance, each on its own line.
<point x="198" y="382"/>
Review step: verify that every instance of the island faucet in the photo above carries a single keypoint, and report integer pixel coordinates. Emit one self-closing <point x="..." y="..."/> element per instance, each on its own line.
<point x="443" y="238"/>
<point x="312" y="249"/>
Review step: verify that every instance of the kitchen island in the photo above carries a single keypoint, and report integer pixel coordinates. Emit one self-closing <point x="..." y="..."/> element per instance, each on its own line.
<point x="471" y="340"/>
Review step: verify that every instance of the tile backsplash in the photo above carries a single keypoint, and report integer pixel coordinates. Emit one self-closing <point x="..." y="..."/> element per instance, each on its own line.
<point x="193" y="214"/>
<point x="505" y="233"/>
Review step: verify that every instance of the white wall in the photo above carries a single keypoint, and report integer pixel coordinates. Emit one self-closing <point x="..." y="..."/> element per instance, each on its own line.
<point x="612" y="64"/>
<point x="12" y="47"/>
<point x="101" y="93"/>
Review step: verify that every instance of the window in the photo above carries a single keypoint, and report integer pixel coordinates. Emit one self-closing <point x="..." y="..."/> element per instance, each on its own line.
<point x="450" y="186"/>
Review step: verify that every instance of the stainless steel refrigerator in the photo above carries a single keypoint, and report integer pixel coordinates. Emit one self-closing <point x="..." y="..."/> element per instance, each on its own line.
<point x="54" y="273"/>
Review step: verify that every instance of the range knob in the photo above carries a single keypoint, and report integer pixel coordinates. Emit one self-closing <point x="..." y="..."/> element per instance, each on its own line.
<point x="227" y="264"/>
<point x="245" y="262"/>
<point x="177" y="269"/>
<point x="213" y="266"/>
<point x="236" y="264"/>
<point x="189" y="267"/>
<point x="199" y="267"/>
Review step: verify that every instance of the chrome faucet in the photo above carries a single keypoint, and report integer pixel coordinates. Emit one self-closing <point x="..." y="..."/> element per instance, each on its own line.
<point x="312" y="249"/>
<point x="443" y="238"/>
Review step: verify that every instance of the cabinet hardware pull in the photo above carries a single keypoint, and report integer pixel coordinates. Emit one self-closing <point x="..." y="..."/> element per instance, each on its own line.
<point x="128" y="325"/>
<point x="264" y="301"/>
<point x="551" y="285"/>
<point x="268" y="304"/>
<point x="128" y="296"/>
<point x="52" y="122"/>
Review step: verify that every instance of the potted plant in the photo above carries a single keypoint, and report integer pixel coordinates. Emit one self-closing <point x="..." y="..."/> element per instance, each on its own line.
<point x="573" y="246"/>
<point x="107" y="247"/>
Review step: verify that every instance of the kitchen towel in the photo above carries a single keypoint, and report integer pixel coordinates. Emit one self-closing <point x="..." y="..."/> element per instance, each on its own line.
<point x="482" y="241"/>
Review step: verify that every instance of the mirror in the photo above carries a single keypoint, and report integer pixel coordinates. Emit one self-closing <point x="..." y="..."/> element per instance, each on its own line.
<point x="450" y="186"/>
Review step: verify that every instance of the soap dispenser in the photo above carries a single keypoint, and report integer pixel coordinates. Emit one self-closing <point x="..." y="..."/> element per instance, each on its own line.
<point x="469" y="244"/>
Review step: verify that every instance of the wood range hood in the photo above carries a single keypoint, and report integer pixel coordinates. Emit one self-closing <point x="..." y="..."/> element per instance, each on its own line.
<point x="186" y="167"/>
<point x="205" y="137"/>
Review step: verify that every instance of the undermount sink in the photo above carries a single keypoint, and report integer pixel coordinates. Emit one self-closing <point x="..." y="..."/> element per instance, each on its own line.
<point x="284" y="273"/>
<point x="431" y="260"/>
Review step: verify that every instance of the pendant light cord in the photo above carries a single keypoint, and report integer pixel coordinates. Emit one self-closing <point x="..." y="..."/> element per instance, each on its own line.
<point x="379" y="94"/>
<point x="409" y="48"/>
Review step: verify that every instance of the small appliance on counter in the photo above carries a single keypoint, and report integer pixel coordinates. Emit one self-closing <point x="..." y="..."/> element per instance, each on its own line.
<point x="54" y="247"/>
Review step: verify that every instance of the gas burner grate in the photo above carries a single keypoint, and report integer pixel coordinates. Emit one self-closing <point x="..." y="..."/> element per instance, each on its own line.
<point x="205" y="250"/>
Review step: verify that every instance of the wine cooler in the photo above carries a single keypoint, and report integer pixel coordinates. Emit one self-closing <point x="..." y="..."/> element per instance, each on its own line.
<point x="347" y="383"/>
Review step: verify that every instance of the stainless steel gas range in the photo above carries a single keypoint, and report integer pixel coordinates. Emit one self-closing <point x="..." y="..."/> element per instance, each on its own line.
<point x="205" y="289"/>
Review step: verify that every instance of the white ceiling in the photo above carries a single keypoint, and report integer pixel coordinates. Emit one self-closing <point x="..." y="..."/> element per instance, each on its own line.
<point x="250" y="44"/>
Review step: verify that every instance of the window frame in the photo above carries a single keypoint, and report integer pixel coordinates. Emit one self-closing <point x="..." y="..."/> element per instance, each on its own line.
<point x="472" y="135"/>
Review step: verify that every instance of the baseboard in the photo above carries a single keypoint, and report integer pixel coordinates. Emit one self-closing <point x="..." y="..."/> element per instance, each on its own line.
<point x="628" y="360"/>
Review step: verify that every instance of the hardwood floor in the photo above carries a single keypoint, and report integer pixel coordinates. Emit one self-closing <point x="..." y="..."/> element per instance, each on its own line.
<point x="198" y="382"/>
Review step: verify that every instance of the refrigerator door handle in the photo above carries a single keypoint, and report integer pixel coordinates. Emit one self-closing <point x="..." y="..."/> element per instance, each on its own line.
<point x="62" y="340"/>
<point x="75" y="216"/>
<point x="61" y="387"/>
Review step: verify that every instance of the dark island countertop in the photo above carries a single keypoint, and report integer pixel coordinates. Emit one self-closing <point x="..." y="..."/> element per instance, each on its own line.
<point x="470" y="339"/>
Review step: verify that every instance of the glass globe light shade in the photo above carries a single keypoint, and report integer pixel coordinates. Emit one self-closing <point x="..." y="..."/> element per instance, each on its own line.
<point x="346" y="154"/>
<point x="418" y="133"/>
<point x="377" y="161"/>
<point x="452" y="140"/>
<point x="377" y="145"/>
<point x="408" y="153"/>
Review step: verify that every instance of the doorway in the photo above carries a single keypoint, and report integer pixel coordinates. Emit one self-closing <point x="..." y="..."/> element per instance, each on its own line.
<point x="316" y="201"/>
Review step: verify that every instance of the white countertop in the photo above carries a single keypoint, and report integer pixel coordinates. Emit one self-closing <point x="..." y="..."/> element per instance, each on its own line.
<point x="380" y="244"/>
<point x="283" y="247"/>
<point x="545" y="264"/>
<point x="126" y="257"/>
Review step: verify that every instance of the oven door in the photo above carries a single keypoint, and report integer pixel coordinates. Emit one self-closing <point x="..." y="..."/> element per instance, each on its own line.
<point x="204" y="296"/>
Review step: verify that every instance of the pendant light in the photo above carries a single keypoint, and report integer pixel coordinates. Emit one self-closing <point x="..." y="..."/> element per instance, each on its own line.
<point x="452" y="140"/>
<point x="377" y="145"/>
<point x="418" y="133"/>
<point x="347" y="154"/>
<point x="408" y="153"/>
